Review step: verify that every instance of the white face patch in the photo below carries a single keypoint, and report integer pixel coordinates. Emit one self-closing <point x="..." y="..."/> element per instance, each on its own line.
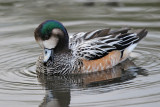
<point x="51" y="42"/>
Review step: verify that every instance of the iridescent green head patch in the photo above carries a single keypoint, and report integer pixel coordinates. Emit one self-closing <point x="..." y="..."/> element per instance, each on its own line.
<point x="49" y="25"/>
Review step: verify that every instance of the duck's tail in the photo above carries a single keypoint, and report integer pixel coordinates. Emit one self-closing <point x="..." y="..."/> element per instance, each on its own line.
<point x="141" y="34"/>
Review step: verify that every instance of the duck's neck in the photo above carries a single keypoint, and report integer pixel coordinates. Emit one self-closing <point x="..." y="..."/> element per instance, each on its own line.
<point x="62" y="49"/>
<point x="63" y="45"/>
<point x="64" y="52"/>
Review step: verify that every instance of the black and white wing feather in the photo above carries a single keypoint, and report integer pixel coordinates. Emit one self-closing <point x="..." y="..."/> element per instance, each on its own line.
<point x="97" y="44"/>
<point x="81" y="37"/>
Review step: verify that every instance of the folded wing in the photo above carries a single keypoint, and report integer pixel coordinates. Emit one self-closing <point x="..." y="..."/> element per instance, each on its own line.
<point x="98" y="43"/>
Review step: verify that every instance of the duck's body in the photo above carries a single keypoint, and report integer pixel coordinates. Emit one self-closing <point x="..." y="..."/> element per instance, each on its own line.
<point x="84" y="52"/>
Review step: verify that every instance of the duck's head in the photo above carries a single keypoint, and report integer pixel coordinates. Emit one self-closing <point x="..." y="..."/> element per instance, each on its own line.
<point x="52" y="37"/>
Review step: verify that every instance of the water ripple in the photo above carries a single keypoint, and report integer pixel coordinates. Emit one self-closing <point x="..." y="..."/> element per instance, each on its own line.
<point x="20" y="85"/>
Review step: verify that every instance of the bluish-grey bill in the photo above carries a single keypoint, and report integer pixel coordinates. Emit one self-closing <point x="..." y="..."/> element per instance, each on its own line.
<point x="48" y="54"/>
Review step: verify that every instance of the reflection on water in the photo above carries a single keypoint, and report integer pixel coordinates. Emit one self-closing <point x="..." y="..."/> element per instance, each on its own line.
<point x="121" y="86"/>
<point x="58" y="87"/>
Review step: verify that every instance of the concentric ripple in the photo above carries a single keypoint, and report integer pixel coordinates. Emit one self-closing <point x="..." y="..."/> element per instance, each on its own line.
<point x="20" y="86"/>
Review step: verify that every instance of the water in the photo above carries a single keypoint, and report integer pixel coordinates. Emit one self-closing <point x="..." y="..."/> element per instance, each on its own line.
<point x="125" y="85"/>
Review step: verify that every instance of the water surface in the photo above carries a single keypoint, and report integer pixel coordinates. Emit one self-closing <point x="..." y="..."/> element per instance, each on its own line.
<point x="135" y="83"/>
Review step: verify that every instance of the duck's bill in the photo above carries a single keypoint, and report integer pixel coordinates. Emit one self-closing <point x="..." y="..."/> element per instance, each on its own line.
<point x="48" y="55"/>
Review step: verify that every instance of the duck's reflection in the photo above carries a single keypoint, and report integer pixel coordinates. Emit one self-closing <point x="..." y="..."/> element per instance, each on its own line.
<point x="58" y="87"/>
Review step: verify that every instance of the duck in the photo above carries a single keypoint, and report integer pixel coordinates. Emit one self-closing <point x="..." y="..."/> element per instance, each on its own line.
<point x="83" y="52"/>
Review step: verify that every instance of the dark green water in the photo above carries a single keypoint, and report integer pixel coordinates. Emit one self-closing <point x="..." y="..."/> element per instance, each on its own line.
<point x="134" y="87"/>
